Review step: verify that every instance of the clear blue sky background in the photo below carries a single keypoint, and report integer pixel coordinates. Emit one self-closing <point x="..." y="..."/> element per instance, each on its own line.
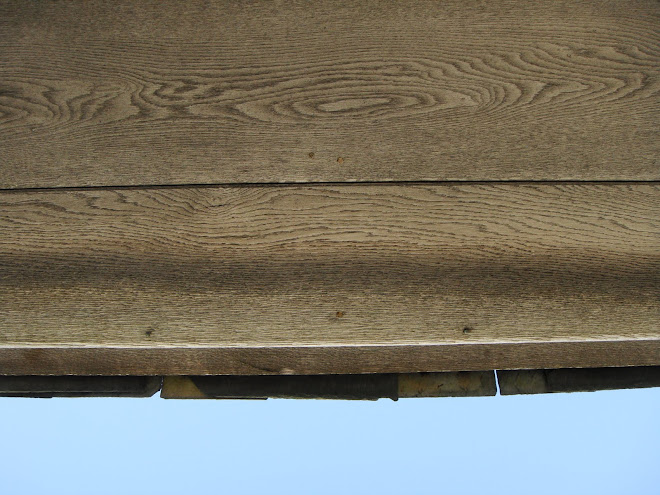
<point x="562" y="444"/>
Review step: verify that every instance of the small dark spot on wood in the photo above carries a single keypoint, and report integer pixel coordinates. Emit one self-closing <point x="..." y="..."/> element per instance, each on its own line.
<point x="311" y="154"/>
<point x="340" y="160"/>
<point x="340" y="314"/>
<point x="467" y="330"/>
<point x="149" y="332"/>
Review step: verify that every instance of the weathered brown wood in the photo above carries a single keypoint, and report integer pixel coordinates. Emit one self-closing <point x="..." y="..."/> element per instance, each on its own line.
<point x="79" y="386"/>
<point x="309" y="360"/>
<point x="514" y="382"/>
<point x="96" y="92"/>
<point x="457" y="384"/>
<point x="353" y="387"/>
<point x="320" y="279"/>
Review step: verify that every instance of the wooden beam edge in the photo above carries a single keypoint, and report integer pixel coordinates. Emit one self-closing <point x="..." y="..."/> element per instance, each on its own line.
<point x="516" y="382"/>
<point x="299" y="360"/>
<point x="345" y="387"/>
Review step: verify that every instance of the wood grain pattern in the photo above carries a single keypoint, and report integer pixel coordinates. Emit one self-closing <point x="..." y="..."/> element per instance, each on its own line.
<point x="97" y="93"/>
<point x="383" y="269"/>
<point x="308" y="360"/>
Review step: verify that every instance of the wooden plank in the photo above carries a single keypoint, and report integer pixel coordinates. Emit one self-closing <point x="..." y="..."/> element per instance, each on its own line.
<point x="352" y="387"/>
<point x="79" y="386"/>
<point x="79" y="359"/>
<point x="329" y="279"/>
<point x="513" y="382"/>
<point x="167" y="92"/>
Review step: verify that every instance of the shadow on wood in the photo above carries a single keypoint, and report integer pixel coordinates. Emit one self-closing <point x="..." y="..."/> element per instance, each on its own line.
<point x="356" y="387"/>
<point x="79" y="386"/>
<point x="513" y="382"/>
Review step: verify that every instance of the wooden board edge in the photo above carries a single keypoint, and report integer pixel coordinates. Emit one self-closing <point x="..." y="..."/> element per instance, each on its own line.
<point x="516" y="382"/>
<point x="79" y="386"/>
<point x="327" y="359"/>
<point x="345" y="387"/>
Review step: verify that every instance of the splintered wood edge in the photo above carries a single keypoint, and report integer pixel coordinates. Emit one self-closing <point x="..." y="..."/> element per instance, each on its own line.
<point x="292" y="360"/>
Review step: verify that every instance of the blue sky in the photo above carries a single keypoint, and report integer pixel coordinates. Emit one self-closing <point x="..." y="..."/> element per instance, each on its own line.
<point x="561" y="444"/>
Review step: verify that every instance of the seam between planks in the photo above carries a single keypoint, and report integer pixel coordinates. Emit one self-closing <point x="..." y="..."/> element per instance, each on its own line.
<point x="321" y="184"/>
